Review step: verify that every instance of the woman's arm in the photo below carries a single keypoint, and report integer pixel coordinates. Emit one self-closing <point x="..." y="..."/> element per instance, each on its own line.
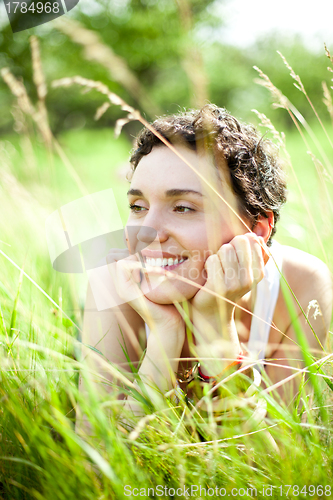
<point x="110" y="331"/>
<point x="231" y="273"/>
<point x="157" y="371"/>
<point x="115" y="329"/>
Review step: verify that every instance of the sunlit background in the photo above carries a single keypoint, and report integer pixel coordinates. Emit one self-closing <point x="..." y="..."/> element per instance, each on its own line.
<point x="247" y="22"/>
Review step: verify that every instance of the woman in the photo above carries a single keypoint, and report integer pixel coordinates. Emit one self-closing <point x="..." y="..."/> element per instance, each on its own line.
<point x="211" y="202"/>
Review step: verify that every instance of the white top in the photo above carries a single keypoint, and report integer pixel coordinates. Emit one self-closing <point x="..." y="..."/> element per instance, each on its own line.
<point x="267" y="295"/>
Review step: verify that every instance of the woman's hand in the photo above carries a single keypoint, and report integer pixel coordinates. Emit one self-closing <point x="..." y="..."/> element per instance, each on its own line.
<point x="232" y="272"/>
<point x="167" y="327"/>
<point x="127" y="272"/>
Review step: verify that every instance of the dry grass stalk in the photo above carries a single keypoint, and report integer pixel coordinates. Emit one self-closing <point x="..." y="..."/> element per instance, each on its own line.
<point x="95" y="50"/>
<point x="331" y="59"/>
<point x="40" y="119"/>
<point x="39" y="81"/>
<point x="101" y="110"/>
<point x="192" y="59"/>
<point x="280" y="100"/>
<point x="327" y="100"/>
<point x="328" y="53"/>
<point x="119" y="126"/>
<point x="283" y="102"/>
<point x="299" y="85"/>
<point x="38" y="75"/>
<point x="266" y="122"/>
<point x="320" y="167"/>
<point x="325" y="199"/>
<point x="321" y="170"/>
<point x="102" y="89"/>
<point x="98" y="86"/>
<point x="39" y="116"/>
<point x="19" y="91"/>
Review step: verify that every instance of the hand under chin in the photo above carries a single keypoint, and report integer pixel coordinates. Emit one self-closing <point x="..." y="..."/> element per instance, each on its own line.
<point x="170" y="296"/>
<point x="164" y="290"/>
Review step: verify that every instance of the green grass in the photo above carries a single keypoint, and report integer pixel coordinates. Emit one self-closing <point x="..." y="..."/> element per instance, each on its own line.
<point x="41" y="456"/>
<point x="295" y="227"/>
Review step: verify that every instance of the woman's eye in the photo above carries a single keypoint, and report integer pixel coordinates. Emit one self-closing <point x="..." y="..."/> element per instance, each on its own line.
<point x="182" y="209"/>
<point x="136" y="208"/>
<point x="179" y="208"/>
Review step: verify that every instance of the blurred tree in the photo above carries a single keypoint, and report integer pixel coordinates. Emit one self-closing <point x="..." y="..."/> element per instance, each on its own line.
<point x="149" y="36"/>
<point x="169" y="51"/>
<point x="310" y="66"/>
<point x="231" y="77"/>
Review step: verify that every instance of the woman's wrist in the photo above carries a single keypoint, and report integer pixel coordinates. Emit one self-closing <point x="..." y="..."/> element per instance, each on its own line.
<point x="167" y="341"/>
<point x="230" y="367"/>
<point x="215" y="326"/>
<point x="217" y="343"/>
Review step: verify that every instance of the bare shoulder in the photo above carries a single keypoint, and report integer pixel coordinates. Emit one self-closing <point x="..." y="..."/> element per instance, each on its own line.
<point x="299" y="266"/>
<point x="309" y="278"/>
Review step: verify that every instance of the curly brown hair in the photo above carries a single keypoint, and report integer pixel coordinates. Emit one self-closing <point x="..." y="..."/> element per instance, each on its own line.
<point x="255" y="169"/>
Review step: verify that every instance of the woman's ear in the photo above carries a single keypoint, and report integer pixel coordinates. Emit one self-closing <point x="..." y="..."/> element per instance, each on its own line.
<point x="264" y="226"/>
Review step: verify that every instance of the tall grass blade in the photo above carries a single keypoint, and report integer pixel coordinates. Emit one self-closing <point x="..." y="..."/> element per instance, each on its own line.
<point x="302" y="341"/>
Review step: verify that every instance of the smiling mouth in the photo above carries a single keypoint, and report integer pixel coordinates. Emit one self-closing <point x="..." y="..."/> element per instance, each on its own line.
<point x="165" y="263"/>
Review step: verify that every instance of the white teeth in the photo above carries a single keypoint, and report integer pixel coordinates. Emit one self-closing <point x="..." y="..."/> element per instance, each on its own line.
<point x="163" y="262"/>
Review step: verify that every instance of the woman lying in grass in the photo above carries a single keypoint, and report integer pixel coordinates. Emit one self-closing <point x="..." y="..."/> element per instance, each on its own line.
<point x="205" y="212"/>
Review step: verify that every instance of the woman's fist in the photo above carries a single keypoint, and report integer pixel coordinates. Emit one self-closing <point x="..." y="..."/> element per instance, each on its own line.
<point x="233" y="271"/>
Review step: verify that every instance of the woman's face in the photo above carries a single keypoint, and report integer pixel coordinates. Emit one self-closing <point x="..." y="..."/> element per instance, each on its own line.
<point x="190" y="220"/>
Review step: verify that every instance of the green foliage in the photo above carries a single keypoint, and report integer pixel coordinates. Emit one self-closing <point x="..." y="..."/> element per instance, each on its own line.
<point x="311" y="66"/>
<point x="155" y="39"/>
<point x="148" y="35"/>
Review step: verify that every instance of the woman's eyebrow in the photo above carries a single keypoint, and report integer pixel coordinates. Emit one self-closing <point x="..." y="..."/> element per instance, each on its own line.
<point x="134" y="192"/>
<point x="179" y="192"/>
<point x="170" y="193"/>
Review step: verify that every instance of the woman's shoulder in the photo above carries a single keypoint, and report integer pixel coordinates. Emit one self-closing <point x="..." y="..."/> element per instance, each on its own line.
<point x="297" y="264"/>
<point x="308" y="276"/>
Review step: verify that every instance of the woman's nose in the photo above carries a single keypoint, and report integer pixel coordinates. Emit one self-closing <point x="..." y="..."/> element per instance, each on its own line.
<point x="146" y="234"/>
<point x="149" y="234"/>
<point x="153" y="229"/>
<point x="131" y="236"/>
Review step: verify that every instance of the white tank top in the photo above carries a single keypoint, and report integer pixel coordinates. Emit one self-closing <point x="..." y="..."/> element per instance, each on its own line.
<point x="267" y="295"/>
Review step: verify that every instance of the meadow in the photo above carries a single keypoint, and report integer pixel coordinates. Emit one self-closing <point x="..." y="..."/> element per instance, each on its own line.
<point x="42" y="457"/>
